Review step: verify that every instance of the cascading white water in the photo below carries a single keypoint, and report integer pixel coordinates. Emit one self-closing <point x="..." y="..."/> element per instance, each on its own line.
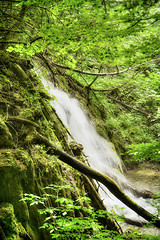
<point x="98" y="151"/>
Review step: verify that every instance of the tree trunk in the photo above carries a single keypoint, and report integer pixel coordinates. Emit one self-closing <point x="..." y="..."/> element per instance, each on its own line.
<point x="108" y="182"/>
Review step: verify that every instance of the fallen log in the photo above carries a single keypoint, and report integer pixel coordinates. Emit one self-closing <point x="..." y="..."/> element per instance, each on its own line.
<point x="104" y="179"/>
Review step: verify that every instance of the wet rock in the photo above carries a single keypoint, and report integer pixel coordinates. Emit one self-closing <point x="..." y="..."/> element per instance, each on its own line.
<point x="10" y="228"/>
<point x="76" y="148"/>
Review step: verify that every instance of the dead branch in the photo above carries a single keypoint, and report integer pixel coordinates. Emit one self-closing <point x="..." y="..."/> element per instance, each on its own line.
<point x="102" y="74"/>
<point x="12" y="42"/>
<point x="105" y="90"/>
<point x="94" y="79"/>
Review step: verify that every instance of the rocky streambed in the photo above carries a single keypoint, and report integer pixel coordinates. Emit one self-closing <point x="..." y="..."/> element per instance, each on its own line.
<point x="144" y="176"/>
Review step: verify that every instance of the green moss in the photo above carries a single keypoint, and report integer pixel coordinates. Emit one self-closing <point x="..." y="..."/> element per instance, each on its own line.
<point x="6" y="139"/>
<point x="4" y="79"/>
<point x="11" y="228"/>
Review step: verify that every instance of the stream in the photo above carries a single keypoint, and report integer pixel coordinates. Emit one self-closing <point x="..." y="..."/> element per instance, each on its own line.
<point x="98" y="151"/>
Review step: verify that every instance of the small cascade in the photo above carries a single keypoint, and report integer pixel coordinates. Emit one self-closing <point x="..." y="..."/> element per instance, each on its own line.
<point x="98" y="151"/>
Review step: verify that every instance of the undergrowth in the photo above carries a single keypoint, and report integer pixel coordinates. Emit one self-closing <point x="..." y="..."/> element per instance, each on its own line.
<point x="145" y="151"/>
<point x="66" y="219"/>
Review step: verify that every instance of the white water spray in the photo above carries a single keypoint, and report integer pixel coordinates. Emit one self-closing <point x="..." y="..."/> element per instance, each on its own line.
<point x="100" y="155"/>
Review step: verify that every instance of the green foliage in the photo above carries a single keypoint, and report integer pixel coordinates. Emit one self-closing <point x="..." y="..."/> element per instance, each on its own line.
<point x="128" y="128"/>
<point x="61" y="220"/>
<point x="110" y="32"/>
<point x="145" y="151"/>
<point x="64" y="219"/>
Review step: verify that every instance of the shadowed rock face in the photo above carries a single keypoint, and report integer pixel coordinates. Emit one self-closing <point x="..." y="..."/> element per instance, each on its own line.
<point x="23" y="168"/>
<point x="9" y="224"/>
<point x="18" y="176"/>
<point x="6" y="139"/>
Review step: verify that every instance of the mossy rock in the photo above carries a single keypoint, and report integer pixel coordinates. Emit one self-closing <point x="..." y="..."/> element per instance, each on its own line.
<point x="76" y="148"/>
<point x="15" y="166"/>
<point x="19" y="175"/>
<point x="6" y="139"/>
<point x="12" y="229"/>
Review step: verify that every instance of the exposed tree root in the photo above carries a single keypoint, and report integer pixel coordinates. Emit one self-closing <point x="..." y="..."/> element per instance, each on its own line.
<point x="23" y="121"/>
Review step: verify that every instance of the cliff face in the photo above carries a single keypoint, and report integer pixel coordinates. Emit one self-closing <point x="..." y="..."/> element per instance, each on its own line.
<point x="25" y="167"/>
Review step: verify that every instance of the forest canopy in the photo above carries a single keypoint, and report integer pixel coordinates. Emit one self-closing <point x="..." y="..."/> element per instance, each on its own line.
<point x="114" y="33"/>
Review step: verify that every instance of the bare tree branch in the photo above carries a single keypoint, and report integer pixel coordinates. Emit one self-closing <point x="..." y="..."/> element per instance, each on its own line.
<point x="94" y="78"/>
<point x="5" y="30"/>
<point x="13" y="42"/>
<point x="103" y="74"/>
<point x="104" y="90"/>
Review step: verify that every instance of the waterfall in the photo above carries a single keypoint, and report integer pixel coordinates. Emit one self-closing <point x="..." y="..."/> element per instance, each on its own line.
<point x="98" y="151"/>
